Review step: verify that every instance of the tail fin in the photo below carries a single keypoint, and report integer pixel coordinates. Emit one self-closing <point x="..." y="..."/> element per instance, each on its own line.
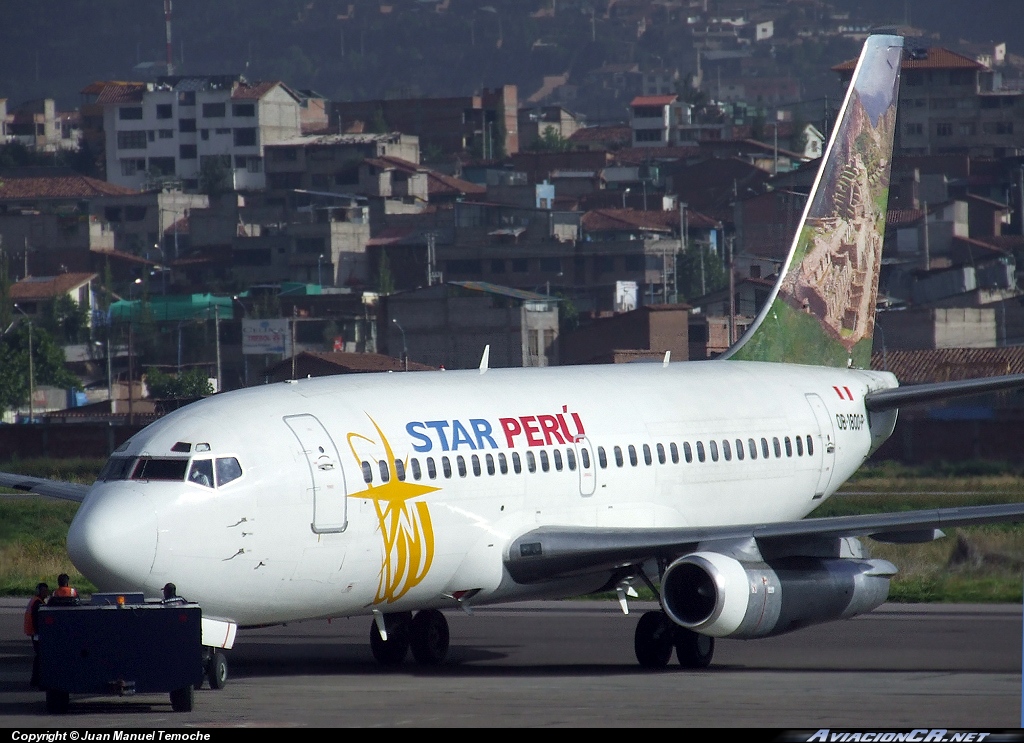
<point x="822" y="309"/>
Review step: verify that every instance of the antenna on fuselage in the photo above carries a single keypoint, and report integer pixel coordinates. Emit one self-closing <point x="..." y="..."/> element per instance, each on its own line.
<point x="485" y="358"/>
<point x="668" y="356"/>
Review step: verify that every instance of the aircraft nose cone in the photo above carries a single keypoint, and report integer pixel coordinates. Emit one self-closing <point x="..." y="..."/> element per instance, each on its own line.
<point x="112" y="540"/>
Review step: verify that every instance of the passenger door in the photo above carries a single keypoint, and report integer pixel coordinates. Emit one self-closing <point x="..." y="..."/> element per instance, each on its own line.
<point x="326" y="477"/>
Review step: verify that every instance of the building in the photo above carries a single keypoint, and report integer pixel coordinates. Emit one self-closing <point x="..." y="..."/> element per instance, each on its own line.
<point x="658" y="121"/>
<point x="191" y="129"/>
<point x="450" y="324"/>
<point x="950" y="103"/>
<point x="33" y="295"/>
<point x="330" y="162"/>
<point x="39" y="126"/>
<point x="485" y="125"/>
<point x="646" y="332"/>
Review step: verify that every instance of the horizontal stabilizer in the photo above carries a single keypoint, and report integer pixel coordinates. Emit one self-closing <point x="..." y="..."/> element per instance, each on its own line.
<point x="41" y="486"/>
<point x="924" y="393"/>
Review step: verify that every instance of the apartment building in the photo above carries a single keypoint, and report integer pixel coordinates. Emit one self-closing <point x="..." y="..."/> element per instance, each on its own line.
<point x="952" y="104"/>
<point x="182" y="127"/>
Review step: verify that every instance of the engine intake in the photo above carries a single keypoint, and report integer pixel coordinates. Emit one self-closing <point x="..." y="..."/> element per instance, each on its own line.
<point x="717" y="595"/>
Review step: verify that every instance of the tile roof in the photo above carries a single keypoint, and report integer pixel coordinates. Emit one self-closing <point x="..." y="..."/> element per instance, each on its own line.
<point x="36" y="288"/>
<point x="640" y="155"/>
<point x="937" y="59"/>
<point x="253" y="91"/>
<point x="606" y="134"/>
<point x="903" y="217"/>
<point x="602" y="220"/>
<point x="438" y="184"/>
<point x="949" y="364"/>
<point x="653" y="100"/>
<point x="60" y="185"/>
<point x="116" y="91"/>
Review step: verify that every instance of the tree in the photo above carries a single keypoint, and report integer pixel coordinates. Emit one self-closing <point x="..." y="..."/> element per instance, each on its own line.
<point x="551" y="140"/>
<point x="699" y="271"/>
<point x="385" y="281"/>
<point x="67" y="320"/>
<point x="6" y="311"/>
<point x="192" y="383"/>
<point x="213" y="177"/>
<point x="47" y="365"/>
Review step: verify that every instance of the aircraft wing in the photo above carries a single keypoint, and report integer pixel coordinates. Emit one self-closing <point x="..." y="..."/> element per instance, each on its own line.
<point x="42" y="486"/>
<point x="553" y="552"/>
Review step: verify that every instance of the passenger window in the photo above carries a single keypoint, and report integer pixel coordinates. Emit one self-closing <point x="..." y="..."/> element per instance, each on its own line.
<point x="647" y="455"/>
<point x="385" y="475"/>
<point x="632" y="455"/>
<point x="810" y="446"/>
<point x="228" y="469"/>
<point x="431" y="468"/>
<point x="585" y="457"/>
<point x="531" y="462"/>
<point x="661" y="454"/>
<point x="778" y="447"/>
<point x="503" y="464"/>
<point x="700" y="451"/>
<point x="400" y="469"/>
<point x="489" y="460"/>
<point x="799" y="446"/>
<point x="687" y="452"/>
<point x="726" y="450"/>
<point x="475" y="460"/>
<point x="713" y="446"/>
<point x="602" y="457"/>
<point x="739" y="449"/>
<point x="446" y="466"/>
<point x="545" y="465"/>
<point x="201" y="472"/>
<point x="570" y="459"/>
<point x="557" y="456"/>
<point x="367" y="473"/>
<point x="618" y="456"/>
<point x="517" y="464"/>
<point x="417" y="473"/>
<point x="789" y="447"/>
<point x="460" y="462"/>
<point x="752" y="446"/>
<point x="764" y="448"/>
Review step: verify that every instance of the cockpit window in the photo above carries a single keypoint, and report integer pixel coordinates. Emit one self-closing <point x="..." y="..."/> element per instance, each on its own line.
<point x="152" y="468"/>
<point x="201" y="472"/>
<point x="228" y="469"/>
<point x="116" y="468"/>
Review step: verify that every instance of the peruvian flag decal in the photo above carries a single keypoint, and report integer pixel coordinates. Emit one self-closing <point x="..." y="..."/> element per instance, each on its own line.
<point x="843" y="392"/>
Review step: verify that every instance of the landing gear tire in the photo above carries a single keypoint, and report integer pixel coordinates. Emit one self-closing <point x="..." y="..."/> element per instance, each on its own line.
<point x="57" y="701"/>
<point x="181" y="699"/>
<point x="429" y="636"/>
<point x="392" y="651"/>
<point x="217" y="671"/>
<point x="654" y="639"/>
<point x="694" y="650"/>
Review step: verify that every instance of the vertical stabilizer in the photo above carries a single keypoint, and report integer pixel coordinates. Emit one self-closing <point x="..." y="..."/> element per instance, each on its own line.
<point x="822" y="309"/>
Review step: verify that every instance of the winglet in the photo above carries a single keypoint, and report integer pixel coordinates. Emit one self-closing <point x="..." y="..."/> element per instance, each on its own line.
<point x="485" y="359"/>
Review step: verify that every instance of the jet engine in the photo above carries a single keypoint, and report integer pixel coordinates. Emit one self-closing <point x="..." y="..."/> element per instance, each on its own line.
<point x="717" y="595"/>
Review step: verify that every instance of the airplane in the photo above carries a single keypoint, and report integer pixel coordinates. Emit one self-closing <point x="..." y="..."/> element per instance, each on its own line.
<point x="396" y="496"/>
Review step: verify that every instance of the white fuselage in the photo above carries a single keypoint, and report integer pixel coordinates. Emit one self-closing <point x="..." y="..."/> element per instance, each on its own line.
<point x="303" y="534"/>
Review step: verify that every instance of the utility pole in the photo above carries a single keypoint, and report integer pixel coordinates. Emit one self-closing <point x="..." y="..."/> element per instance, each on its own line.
<point x="732" y="288"/>
<point x="216" y="326"/>
<point x="31" y="369"/>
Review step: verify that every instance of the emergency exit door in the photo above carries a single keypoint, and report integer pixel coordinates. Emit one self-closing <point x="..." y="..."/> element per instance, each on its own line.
<point x="326" y="477"/>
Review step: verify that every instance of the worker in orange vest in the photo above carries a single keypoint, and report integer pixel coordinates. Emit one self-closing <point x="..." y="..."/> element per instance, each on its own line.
<point x="64" y="589"/>
<point x="32" y="626"/>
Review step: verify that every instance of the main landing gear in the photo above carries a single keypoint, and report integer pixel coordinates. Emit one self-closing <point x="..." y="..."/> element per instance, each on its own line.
<point x="426" y="633"/>
<point x="215" y="668"/>
<point x="657" y="636"/>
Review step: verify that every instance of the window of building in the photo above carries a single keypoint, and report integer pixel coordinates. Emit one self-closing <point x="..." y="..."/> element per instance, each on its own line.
<point x="162" y="165"/>
<point x="130" y="113"/>
<point x="187" y="152"/>
<point x="186" y="125"/>
<point x="243" y="109"/>
<point x="187" y="98"/>
<point x="164" y="111"/>
<point x="166" y="134"/>
<point x="204" y="134"/>
<point x="520" y="265"/>
<point x="214" y="110"/>
<point x="245" y="137"/>
<point x="943" y="129"/>
<point x="131" y="140"/>
<point x="648" y="135"/>
<point x="133" y="166"/>
<point x="913" y="129"/>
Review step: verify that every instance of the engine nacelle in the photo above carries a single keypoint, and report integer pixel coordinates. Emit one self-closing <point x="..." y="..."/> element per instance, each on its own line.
<point x="718" y="595"/>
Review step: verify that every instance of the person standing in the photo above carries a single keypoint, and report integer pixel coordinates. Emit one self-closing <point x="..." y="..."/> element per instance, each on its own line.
<point x="32" y="626"/>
